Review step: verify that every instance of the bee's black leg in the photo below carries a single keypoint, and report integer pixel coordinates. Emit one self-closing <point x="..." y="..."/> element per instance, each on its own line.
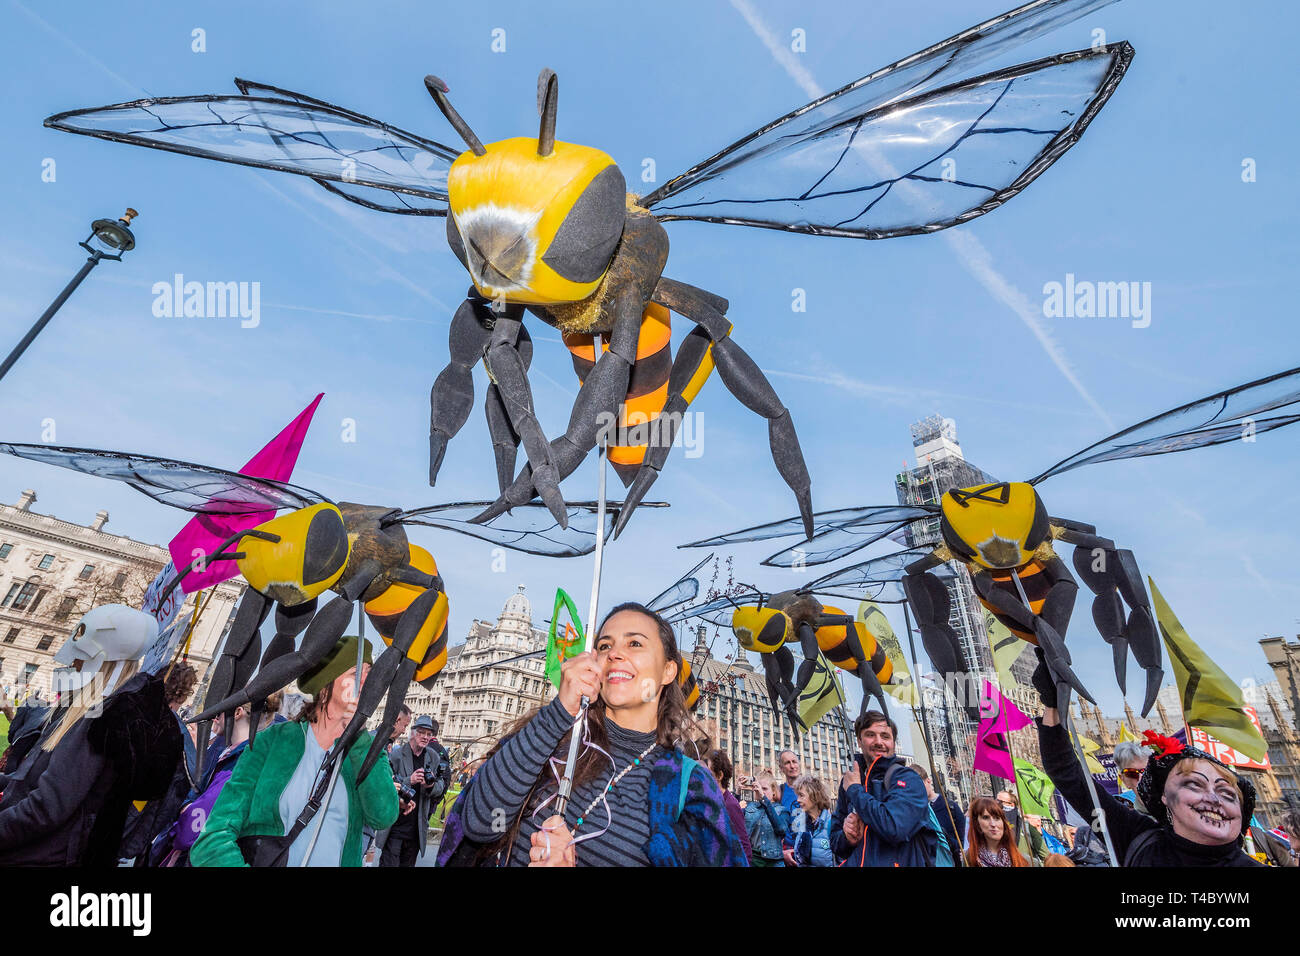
<point x="452" y="395"/>
<point x="324" y="631"/>
<point x="747" y="382"/>
<point x="594" y="412"/>
<point x="243" y="643"/>
<point x="691" y="368"/>
<point x="391" y="675"/>
<point x="929" y="600"/>
<point x="870" y="682"/>
<point x="778" y="668"/>
<point x="508" y="369"/>
<point x="808" y="645"/>
<point x="505" y="440"/>
<point x="289" y="623"/>
<point x="1112" y="575"/>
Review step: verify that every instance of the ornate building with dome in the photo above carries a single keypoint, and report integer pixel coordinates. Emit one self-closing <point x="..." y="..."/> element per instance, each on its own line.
<point x="483" y="687"/>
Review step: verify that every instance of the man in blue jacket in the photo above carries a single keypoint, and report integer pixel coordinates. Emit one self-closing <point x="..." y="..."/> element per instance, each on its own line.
<point x="882" y="812"/>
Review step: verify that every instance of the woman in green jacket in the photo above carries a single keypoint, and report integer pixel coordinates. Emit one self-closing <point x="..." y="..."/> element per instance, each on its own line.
<point x="275" y="777"/>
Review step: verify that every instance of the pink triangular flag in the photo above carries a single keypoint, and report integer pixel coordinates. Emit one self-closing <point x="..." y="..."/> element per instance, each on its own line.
<point x="205" y="532"/>
<point x="992" y="749"/>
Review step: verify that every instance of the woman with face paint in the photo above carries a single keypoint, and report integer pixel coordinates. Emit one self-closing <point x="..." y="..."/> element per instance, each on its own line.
<point x="641" y="796"/>
<point x="990" y="841"/>
<point x="276" y="777"/>
<point x="1198" y="807"/>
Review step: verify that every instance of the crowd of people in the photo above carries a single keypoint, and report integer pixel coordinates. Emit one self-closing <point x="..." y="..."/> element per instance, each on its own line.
<point x="112" y="775"/>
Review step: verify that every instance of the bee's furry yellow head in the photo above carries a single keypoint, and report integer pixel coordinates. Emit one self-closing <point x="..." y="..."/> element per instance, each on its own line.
<point x="534" y="229"/>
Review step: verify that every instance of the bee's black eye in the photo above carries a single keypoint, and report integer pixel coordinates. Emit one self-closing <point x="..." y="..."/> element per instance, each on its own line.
<point x="586" y="240"/>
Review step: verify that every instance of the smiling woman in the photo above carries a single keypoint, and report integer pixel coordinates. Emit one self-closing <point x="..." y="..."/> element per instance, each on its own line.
<point x="638" y="799"/>
<point x="990" y="841"/>
<point x="1197" y="805"/>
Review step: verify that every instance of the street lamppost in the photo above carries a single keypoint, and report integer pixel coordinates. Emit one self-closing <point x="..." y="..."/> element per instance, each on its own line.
<point x="111" y="238"/>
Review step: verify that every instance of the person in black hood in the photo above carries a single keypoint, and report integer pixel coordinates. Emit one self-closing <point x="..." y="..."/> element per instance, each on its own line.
<point x="1199" y="807"/>
<point x="111" y="739"/>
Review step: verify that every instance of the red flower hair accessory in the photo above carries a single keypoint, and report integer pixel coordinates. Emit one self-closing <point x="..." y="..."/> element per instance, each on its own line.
<point x="1163" y="746"/>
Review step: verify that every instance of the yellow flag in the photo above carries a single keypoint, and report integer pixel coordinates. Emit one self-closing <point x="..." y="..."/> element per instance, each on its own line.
<point x="901" y="686"/>
<point x="821" y="695"/>
<point x="1125" y="733"/>
<point x="1006" y="647"/>
<point x="1090" y="747"/>
<point x="1210" y="699"/>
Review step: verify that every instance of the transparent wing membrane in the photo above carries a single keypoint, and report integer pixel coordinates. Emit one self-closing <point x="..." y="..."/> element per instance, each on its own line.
<point x="719" y="610"/>
<point x="378" y="199"/>
<point x="686" y="588"/>
<point x="179" y="484"/>
<point x="937" y="65"/>
<point x="878" y="579"/>
<point x="1235" y="414"/>
<point x="917" y="165"/>
<point x="529" y="528"/>
<point x="294" y="134"/>
<point x="835" y="533"/>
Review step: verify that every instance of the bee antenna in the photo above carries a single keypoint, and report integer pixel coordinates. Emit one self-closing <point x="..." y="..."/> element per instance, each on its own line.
<point x="548" y="95"/>
<point x="438" y="90"/>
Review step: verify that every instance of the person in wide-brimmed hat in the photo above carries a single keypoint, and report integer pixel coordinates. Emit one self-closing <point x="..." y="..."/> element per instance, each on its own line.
<point x="260" y="806"/>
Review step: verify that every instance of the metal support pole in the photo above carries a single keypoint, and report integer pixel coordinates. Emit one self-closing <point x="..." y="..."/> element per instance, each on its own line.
<point x="44" y="320"/>
<point x="575" y="737"/>
<point x="929" y="750"/>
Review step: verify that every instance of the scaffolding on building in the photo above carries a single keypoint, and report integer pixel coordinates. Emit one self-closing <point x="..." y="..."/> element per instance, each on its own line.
<point x="940" y="468"/>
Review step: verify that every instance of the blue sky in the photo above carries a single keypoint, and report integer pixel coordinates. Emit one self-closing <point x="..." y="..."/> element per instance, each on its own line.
<point x="356" y="304"/>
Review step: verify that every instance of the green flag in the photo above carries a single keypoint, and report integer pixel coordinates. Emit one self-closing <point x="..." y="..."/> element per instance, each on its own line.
<point x="1035" y="789"/>
<point x="561" y="646"/>
<point x="1210" y="699"/>
<point x="822" y="693"/>
<point x="901" y="686"/>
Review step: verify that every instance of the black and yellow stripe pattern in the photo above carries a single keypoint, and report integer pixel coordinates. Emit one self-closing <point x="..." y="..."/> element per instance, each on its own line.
<point x="833" y="641"/>
<point x="689" y="685"/>
<point x="1036" y="581"/>
<point x="430" y="646"/>
<point x="647" y="387"/>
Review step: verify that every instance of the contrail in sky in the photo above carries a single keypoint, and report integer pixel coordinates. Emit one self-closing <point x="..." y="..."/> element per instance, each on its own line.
<point x="970" y="252"/>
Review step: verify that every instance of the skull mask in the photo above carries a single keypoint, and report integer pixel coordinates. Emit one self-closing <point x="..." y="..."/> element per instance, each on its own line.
<point x="113" y="633"/>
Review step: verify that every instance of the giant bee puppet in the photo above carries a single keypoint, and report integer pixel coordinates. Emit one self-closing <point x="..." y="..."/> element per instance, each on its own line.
<point x="769" y="624"/>
<point x="360" y="552"/>
<point x="548" y="227"/>
<point x="1004" y="535"/>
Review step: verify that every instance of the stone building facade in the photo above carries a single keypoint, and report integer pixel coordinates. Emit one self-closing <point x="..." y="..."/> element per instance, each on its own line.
<point x="53" y="571"/>
<point x="486" y="683"/>
<point x="735" y="710"/>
